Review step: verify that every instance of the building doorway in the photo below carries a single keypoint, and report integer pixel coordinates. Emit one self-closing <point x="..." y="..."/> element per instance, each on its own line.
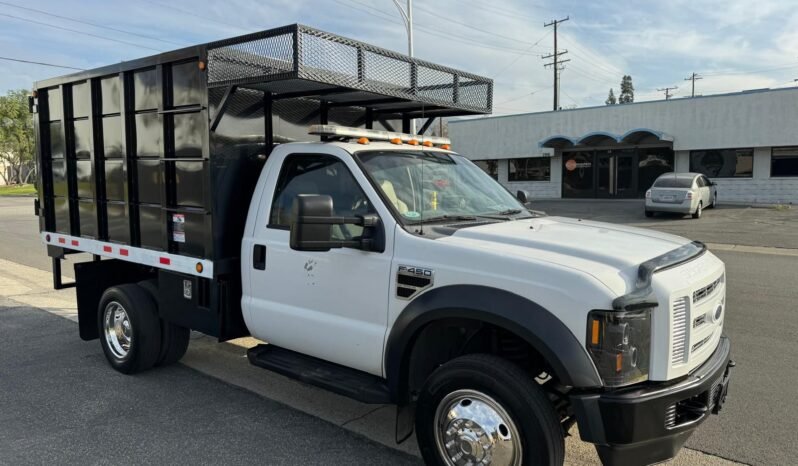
<point x="621" y="173"/>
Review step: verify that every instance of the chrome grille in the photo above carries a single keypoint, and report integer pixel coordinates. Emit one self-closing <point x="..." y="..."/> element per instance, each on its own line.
<point x="702" y="293"/>
<point x="701" y="343"/>
<point x="679" y="349"/>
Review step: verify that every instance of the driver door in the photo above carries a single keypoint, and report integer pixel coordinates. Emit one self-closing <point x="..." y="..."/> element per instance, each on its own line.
<point x="332" y="305"/>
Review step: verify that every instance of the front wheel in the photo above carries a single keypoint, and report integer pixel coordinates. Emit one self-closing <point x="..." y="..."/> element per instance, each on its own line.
<point x="649" y="214"/>
<point x="481" y="409"/>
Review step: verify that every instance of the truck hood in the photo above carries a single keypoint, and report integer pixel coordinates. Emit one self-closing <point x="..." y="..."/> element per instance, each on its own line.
<point x="609" y="252"/>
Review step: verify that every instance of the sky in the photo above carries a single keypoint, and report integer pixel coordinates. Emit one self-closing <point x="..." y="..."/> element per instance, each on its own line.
<point x="734" y="44"/>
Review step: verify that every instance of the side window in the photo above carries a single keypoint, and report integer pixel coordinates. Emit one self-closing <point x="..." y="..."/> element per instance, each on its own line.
<point x="700" y="182"/>
<point x="319" y="174"/>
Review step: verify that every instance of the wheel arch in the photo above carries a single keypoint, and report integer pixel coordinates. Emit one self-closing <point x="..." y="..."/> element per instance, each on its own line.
<point x="524" y="318"/>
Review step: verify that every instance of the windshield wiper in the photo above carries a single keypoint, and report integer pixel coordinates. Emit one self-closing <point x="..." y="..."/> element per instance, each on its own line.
<point x="438" y="218"/>
<point x="509" y="212"/>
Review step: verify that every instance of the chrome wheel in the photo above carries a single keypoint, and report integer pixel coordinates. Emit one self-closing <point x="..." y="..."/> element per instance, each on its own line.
<point x="117" y="330"/>
<point x="471" y="428"/>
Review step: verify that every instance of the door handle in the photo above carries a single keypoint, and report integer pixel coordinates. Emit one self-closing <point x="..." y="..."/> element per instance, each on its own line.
<point x="259" y="257"/>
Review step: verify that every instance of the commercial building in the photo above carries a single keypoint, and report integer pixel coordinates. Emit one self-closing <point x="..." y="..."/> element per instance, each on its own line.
<point x="746" y="142"/>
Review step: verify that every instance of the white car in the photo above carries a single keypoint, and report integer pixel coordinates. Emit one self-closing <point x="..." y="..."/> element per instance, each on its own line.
<point x="684" y="193"/>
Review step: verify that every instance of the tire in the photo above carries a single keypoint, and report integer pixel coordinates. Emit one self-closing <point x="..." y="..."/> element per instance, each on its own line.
<point x="486" y="381"/>
<point x="698" y="210"/>
<point x="132" y="304"/>
<point x="649" y="214"/>
<point x="174" y="338"/>
<point x="714" y="201"/>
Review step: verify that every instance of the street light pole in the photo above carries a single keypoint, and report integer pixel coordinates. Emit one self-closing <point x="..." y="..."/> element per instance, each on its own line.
<point x="407" y="17"/>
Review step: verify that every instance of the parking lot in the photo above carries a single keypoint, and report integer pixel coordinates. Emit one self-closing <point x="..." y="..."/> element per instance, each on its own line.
<point x="57" y="397"/>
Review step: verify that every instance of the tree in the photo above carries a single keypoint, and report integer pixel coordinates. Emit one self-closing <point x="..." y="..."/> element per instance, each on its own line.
<point x="16" y="138"/>
<point x="611" y="100"/>
<point x="627" y="95"/>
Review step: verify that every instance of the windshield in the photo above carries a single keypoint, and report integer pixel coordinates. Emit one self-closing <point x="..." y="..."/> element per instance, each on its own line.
<point x="433" y="186"/>
<point x="673" y="182"/>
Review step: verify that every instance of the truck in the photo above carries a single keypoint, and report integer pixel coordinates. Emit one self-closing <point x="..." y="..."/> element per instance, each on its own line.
<point x="270" y="185"/>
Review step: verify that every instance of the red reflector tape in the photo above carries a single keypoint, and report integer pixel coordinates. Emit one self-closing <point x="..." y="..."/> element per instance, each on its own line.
<point x="62" y="240"/>
<point x="75" y="242"/>
<point x="123" y="252"/>
<point x="107" y="249"/>
<point x="165" y="261"/>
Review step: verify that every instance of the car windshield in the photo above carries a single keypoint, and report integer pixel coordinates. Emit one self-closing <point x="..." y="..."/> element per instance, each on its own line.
<point x="673" y="182"/>
<point x="426" y="186"/>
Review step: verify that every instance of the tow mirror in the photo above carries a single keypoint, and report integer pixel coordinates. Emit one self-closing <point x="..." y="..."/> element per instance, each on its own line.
<point x="311" y="229"/>
<point x="522" y="196"/>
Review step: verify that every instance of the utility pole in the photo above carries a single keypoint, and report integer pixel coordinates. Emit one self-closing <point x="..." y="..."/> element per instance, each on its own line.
<point x="556" y="62"/>
<point x="407" y="17"/>
<point x="667" y="91"/>
<point x="693" y="77"/>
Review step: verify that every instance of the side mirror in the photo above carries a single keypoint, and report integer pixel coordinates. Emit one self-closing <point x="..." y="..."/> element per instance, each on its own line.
<point x="522" y="196"/>
<point x="307" y="235"/>
<point x="311" y="229"/>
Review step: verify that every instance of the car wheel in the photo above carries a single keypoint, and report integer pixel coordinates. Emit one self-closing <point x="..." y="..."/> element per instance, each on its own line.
<point x="698" y="210"/>
<point x="481" y="409"/>
<point x="649" y="214"/>
<point x="130" y="331"/>
<point x="714" y="201"/>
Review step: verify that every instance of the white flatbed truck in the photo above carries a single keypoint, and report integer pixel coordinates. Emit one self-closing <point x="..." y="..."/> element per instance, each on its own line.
<point x="377" y="264"/>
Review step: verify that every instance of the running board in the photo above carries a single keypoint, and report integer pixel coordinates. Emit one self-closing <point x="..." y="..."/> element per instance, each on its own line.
<point x="342" y="380"/>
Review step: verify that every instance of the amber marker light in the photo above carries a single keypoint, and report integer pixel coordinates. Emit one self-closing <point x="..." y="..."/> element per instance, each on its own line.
<point x="594" y="333"/>
<point x="396" y="141"/>
<point x="363" y="141"/>
<point x="199" y="267"/>
<point x="427" y="143"/>
<point x="413" y="142"/>
<point x="201" y="65"/>
<point x="445" y="147"/>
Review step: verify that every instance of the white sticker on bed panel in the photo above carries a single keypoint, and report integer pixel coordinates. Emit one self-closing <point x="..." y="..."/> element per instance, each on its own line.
<point x="178" y="228"/>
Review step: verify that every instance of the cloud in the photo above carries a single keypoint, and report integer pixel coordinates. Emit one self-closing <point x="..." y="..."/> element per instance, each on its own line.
<point x="658" y="43"/>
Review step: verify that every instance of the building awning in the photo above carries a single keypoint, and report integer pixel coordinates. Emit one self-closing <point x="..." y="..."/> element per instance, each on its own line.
<point x="602" y="138"/>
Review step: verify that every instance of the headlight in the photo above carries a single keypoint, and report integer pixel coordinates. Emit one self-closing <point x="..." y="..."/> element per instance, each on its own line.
<point x="619" y="343"/>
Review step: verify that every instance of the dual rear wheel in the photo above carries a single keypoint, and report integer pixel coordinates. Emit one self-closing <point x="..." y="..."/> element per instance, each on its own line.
<point x="132" y="335"/>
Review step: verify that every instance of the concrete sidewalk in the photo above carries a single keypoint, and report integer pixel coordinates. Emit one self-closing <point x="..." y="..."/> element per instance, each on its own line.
<point x="227" y="361"/>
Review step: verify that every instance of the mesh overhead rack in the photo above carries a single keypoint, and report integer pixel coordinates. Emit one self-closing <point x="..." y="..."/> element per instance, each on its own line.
<point x="300" y="61"/>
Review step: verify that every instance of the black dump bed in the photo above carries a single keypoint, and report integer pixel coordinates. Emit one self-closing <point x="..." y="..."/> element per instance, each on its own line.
<point x="163" y="152"/>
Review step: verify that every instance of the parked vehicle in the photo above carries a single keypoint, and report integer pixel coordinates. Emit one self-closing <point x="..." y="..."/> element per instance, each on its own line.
<point x="377" y="264"/>
<point x="683" y="193"/>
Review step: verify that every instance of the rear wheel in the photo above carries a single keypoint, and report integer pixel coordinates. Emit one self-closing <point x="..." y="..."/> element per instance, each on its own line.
<point x="481" y="409"/>
<point x="130" y="332"/>
<point x="714" y="201"/>
<point x="698" y="210"/>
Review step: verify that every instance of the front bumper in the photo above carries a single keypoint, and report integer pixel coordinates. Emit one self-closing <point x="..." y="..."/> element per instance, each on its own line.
<point x="650" y="422"/>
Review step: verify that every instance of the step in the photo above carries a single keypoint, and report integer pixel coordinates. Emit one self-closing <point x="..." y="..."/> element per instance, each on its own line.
<point x="345" y="381"/>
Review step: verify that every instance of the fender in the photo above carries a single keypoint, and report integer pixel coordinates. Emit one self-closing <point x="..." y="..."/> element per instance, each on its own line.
<point x="527" y="319"/>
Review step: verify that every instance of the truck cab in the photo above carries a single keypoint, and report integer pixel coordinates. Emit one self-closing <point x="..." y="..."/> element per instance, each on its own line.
<point x="374" y="263"/>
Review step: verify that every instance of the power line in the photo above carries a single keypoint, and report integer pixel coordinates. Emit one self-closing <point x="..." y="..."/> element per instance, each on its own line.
<point x="506" y="12"/>
<point x="434" y="32"/>
<point x="42" y="12"/>
<point x="191" y="13"/>
<point x="520" y="97"/>
<point x="693" y="77"/>
<point x="732" y="72"/>
<point x="505" y="68"/>
<point x="484" y="31"/>
<point x="78" y="32"/>
<point x="41" y="63"/>
<point x="555" y="63"/>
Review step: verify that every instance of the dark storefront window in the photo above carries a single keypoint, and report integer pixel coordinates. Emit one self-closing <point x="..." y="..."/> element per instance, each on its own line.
<point x="491" y="167"/>
<point x="651" y="164"/>
<point x="530" y="169"/>
<point x="723" y="163"/>
<point x="577" y="174"/>
<point x="784" y="161"/>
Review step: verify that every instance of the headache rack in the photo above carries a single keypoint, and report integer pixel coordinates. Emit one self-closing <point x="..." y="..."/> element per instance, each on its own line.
<point x="159" y="156"/>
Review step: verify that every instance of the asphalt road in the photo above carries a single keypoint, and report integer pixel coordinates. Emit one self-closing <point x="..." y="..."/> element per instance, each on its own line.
<point x="60" y="403"/>
<point x="757" y="426"/>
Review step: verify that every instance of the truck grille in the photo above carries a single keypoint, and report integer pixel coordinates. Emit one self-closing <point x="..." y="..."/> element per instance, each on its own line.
<point x="702" y="293"/>
<point x="679" y="349"/>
